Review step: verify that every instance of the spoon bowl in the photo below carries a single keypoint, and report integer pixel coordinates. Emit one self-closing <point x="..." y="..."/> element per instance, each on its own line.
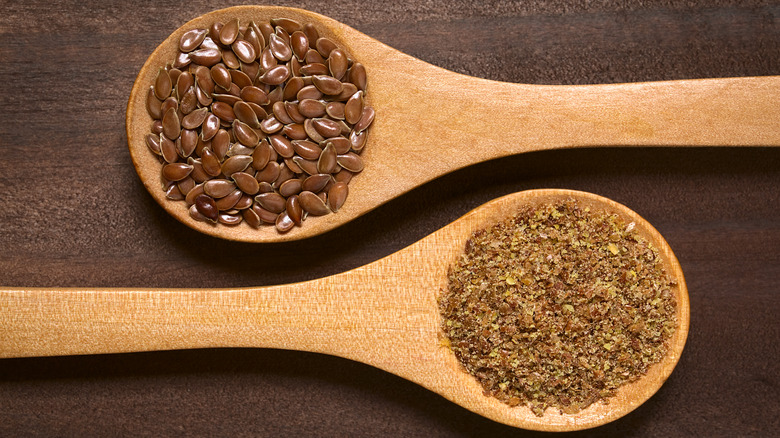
<point x="430" y="121"/>
<point x="384" y="314"/>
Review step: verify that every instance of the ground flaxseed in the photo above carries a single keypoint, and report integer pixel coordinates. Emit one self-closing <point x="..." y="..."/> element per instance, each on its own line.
<point x="558" y="307"/>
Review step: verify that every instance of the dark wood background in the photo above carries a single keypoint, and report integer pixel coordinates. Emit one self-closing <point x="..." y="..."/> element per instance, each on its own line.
<point x="72" y="213"/>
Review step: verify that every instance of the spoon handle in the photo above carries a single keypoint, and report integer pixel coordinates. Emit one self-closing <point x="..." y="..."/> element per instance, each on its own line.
<point x="346" y="315"/>
<point x="474" y="120"/>
<point x="703" y="112"/>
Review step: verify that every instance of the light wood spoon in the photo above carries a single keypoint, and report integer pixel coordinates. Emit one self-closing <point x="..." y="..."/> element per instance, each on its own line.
<point x="383" y="314"/>
<point x="430" y="121"/>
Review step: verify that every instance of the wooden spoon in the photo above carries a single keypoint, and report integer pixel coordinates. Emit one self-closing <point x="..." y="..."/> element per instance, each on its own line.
<point x="383" y="314"/>
<point x="430" y="121"/>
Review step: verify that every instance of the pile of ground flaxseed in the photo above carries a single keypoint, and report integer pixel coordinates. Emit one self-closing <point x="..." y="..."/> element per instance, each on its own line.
<point x="558" y="307"/>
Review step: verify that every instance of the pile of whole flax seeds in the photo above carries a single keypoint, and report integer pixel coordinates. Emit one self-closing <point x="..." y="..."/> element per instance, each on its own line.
<point x="262" y="123"/>
<point x="558" y="307"/>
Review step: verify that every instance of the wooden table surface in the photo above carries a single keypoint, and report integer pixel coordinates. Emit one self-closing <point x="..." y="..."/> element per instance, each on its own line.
<point x="73" y="213"/>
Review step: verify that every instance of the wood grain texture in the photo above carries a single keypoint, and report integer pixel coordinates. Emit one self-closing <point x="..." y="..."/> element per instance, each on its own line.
<point x="420" y="107"/>
<point x="73" y="214"/>
<point x="383" y="314"/>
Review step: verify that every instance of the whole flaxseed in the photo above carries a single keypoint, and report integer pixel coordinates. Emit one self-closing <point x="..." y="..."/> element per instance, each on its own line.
<point x="246" y="114"/>
<point x="558" y="307"/>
